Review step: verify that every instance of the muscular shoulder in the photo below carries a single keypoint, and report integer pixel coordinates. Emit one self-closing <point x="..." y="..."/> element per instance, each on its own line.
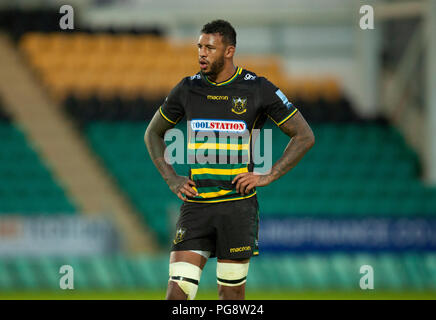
<point x="249" y="77"/>
<point x="258" y="81"/>
<point x="194" y="80"/>
<point x="188" y="81"/>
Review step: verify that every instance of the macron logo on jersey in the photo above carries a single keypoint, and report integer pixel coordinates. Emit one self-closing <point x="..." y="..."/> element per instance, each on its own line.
<point x="218" y="125"/>
<point x="285" y="100"/>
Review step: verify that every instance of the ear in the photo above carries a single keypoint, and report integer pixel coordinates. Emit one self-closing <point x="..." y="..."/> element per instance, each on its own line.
<point x="229" y="52"/>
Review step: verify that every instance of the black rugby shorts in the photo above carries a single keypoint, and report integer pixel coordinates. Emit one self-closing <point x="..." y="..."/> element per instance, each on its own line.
<point x="229" y="230"/>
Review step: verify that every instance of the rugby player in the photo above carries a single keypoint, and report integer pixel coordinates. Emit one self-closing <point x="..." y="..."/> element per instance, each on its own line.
<point x="220" y="214"/>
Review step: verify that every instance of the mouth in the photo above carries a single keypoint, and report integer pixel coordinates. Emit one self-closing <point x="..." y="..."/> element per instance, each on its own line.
<point x="203" y="64"/>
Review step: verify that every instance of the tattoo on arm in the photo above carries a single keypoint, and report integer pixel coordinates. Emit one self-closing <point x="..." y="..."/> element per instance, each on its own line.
<point x="154" y="140"/>
<point x="302" y="139"/>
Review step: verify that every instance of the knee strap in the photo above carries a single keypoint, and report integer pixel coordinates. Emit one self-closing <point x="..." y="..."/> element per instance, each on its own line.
<point x="187" y="276"/>
<point x="231" y="274"/>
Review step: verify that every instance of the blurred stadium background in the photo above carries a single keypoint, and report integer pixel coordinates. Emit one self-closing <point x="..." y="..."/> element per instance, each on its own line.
<point x="77" y="186"/>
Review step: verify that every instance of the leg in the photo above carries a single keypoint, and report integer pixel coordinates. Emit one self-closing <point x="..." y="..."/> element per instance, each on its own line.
<point x="237" y="230"/>
<point x="185" y="272"/>
<point x="231" y="278"/>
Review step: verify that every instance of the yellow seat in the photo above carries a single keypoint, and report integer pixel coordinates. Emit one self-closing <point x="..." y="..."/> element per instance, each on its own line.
<point x="330" y="89"/>
<point x="60" y="42"/>
<point x="309" y="89"/>
<point x="98" y="62"/>
<point x="46" y="61"/>
<point x="34" y="42"/>
<point x="138" y="65"/>
<point x="60" y="84"/>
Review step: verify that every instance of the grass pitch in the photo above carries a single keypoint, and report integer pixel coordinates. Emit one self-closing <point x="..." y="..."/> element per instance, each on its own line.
<point x="212" y="295"/>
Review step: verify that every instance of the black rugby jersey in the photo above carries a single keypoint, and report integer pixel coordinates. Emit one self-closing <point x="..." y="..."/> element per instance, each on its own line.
<point x="221" y="118"/>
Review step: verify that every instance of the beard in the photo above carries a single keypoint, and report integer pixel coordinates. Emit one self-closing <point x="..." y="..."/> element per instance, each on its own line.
<point x="215" y="68"/>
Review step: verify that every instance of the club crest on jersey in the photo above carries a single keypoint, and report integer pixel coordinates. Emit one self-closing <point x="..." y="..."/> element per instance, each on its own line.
<point x="180" y="235"/>
<point x="239" y="105"/>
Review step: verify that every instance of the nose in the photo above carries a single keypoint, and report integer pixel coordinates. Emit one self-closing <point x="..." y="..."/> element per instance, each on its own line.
<point x="202" y="52"/>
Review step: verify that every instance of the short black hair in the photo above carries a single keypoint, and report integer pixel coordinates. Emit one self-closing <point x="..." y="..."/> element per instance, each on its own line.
<point x="222" y="27"/>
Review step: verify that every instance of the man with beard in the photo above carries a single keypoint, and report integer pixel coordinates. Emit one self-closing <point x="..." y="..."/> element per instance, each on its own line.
<point x="219" y="216"/>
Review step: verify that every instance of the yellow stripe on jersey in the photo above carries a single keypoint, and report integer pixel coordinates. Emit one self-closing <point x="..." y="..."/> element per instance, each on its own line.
<point x="238" y="72"/>
<point x="284" y="120"/>
<point x="229" y="172"/>
<point x="222" y="200"/>
<point x="218" y="146"/>
<point x="214" y="194"/>
<point x="161" y="112"/>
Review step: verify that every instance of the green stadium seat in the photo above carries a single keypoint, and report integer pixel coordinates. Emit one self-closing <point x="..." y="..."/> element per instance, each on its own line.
<point x="82" y="274"/>
<point x="429" y="263"/>
<point x="26" y="185"/>
<point x="24" y="273"/>
<point x="122" y="268"/>
<point x="294" y="272"/>
<point x="318" y="271"/>
<point x="151" y="272"/>
<point x="343" y="273"/>
<point x="48" y="272"/>
<point x="6" y="281"/>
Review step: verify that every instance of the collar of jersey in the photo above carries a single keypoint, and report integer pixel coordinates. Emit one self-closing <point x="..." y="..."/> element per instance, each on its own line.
<point x="232" y="78"/>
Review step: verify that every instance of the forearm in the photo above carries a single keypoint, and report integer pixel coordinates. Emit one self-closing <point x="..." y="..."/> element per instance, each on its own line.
<point x="154" y="140"/>
<point x="302" y="139"/>
<point x="297" y="147"/>
<point x="294" y="151"/>
<point x="156" y="148"/>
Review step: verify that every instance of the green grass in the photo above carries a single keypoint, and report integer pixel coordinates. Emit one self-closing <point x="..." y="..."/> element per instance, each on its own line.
<point x="211" y="295"/>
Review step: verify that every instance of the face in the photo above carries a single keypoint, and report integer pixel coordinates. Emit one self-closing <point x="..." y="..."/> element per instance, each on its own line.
<point x="212" y="52"/>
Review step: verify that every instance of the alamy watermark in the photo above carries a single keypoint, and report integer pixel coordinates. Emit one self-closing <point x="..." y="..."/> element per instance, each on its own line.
<point x="67" y="280"/>
<point x="219" y="142"/>
<point x="367" y="280"/>
<point x="366" y="22"/>
<point x="67" y="20"/>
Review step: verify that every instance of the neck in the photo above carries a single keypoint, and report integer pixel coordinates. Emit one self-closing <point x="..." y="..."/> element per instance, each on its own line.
<point x="228" y="71"/>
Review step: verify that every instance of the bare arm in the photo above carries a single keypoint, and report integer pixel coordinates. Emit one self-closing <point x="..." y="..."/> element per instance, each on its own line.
<point x="301" y="140"/>
<point x="154" y="140"/>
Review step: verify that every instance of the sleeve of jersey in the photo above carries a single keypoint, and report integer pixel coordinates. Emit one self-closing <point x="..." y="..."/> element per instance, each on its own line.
<point x="172" y="109"/>
<point x="276" y="104"/>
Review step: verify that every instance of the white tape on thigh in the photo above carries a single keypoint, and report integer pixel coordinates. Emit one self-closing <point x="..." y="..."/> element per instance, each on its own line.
<point x="187" y="276"/>
<point x="231" y="274"/>
<point x="205" y="254"/>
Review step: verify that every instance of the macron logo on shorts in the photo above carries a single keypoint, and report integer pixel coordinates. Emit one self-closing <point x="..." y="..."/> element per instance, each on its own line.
<point x="218" y="125"/>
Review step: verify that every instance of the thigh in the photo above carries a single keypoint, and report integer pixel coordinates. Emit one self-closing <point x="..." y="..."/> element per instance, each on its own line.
<point x="194" y="230"/>
<point x="237" y="227"/>
<point x="188" y="256"/>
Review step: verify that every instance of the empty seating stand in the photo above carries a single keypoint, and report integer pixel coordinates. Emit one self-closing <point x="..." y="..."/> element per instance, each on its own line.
<point x="296" y="272"/>
<point x="148" y="66"/>
<point x="26" y="184"/>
